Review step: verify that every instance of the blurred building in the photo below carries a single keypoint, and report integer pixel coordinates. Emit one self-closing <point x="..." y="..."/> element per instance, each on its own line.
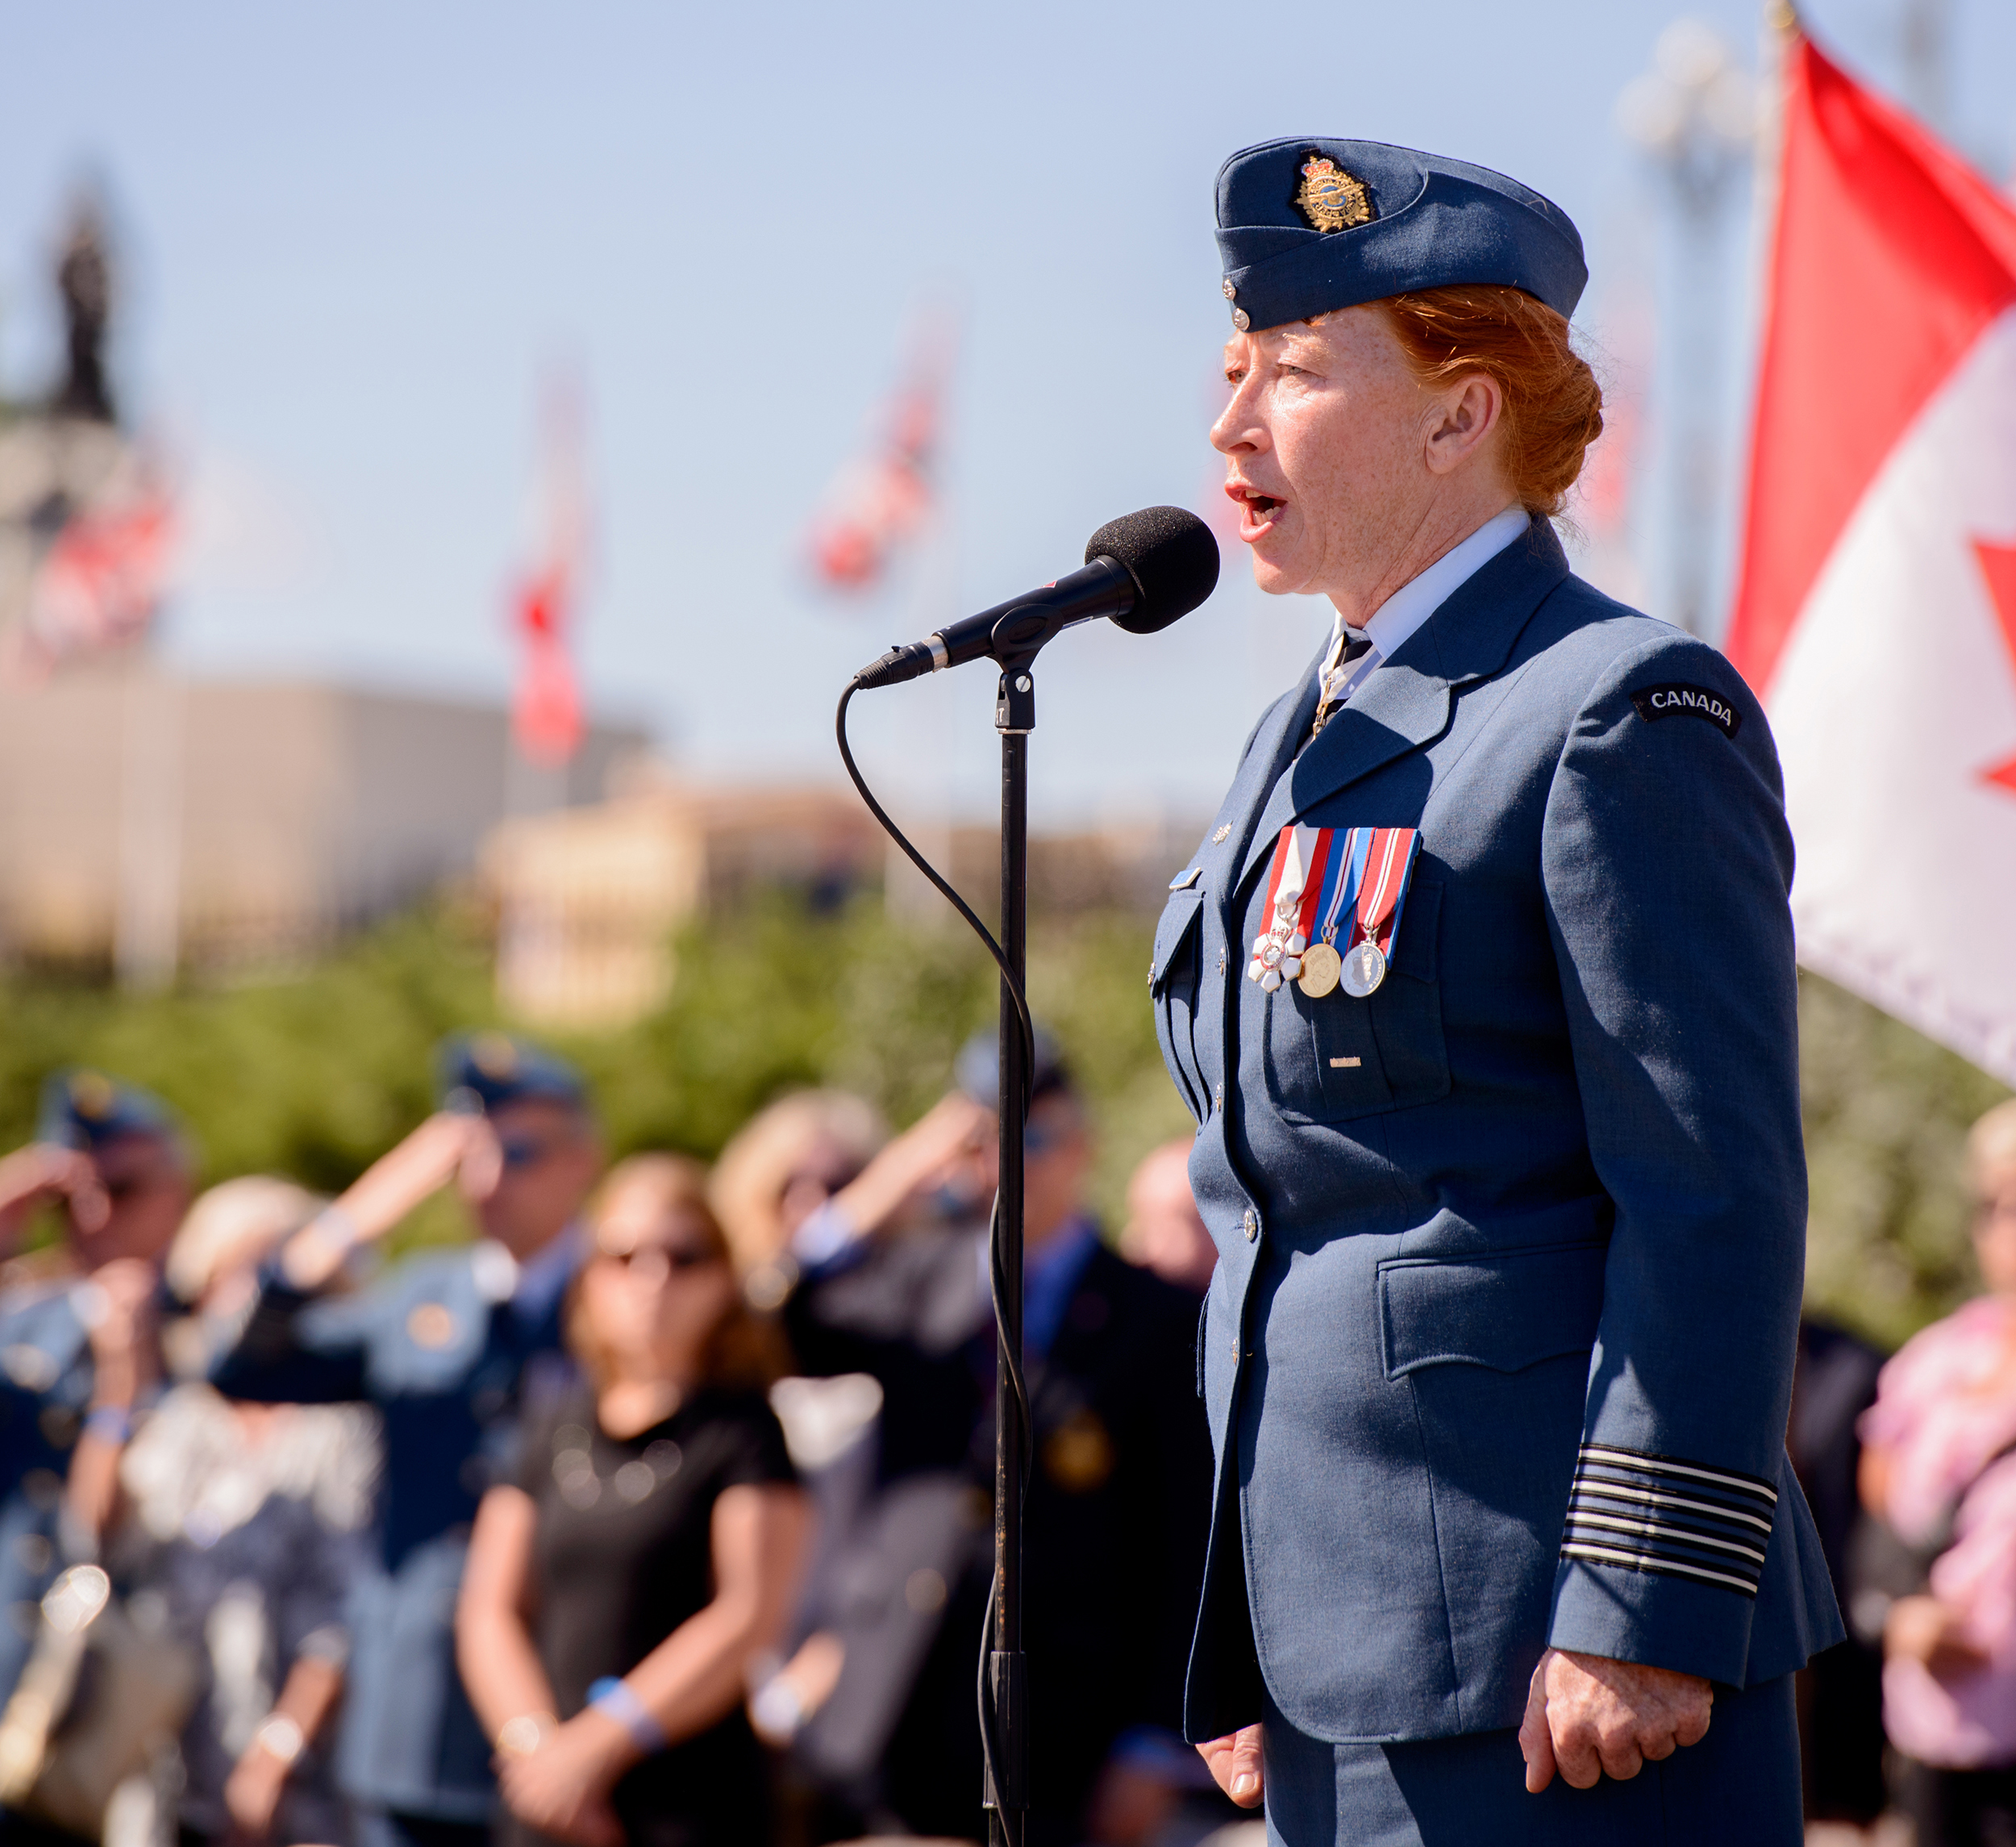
<point x="588" y="899"/>
<point x="225" y="821"/>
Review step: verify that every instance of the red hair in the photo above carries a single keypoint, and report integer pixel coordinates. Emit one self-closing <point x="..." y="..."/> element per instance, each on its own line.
<point x="1553" y="408"/>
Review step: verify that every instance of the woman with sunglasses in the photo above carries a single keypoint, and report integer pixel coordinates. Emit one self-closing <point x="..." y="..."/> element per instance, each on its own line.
<point x="615" y="1596"/>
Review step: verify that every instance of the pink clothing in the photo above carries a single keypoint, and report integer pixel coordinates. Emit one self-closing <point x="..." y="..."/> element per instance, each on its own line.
<point x="1943" y="1421"/>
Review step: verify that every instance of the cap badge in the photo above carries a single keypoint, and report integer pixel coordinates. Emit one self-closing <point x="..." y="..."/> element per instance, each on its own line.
<point x="91" y="1095"/>
<point x="495" y="1056"/>
<point x="1331" y="198"/>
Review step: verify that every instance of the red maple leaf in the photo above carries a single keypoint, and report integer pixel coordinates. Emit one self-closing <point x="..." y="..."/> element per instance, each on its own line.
<point x="1999" y="565"/>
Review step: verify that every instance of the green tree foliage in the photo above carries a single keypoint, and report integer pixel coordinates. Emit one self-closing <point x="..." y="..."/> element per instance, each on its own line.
<point x="314" y="1073"/>
<point x="1887" y="1113"/>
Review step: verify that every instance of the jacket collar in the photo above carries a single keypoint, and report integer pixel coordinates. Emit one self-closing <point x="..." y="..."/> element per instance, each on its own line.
<point x="1267" y="752"/>
<point x="1405" y="702"/>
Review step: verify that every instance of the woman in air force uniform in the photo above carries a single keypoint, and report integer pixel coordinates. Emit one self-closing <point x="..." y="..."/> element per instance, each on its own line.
<point x="1481" y="989"/>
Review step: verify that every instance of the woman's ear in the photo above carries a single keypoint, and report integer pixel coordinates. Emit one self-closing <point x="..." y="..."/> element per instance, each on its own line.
<point x="1464" y="421"/>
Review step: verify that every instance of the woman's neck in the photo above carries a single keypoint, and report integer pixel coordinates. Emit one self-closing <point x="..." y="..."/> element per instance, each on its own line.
<point x="626" y="1406"/>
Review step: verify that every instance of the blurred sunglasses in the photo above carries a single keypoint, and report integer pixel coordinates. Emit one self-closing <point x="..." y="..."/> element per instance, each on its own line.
<point x="676" y="1259"/>
<point x="524" y="1150"/>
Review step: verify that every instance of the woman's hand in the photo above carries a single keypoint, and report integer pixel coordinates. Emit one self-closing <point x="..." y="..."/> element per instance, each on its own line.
<point x="1589" y="1717"/>
<point x="1234" y="1761"/>
<point x="562" y="1788"/>
<point x="1925" y="1630"/>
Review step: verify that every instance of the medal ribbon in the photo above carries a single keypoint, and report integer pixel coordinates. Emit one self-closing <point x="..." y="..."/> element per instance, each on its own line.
<point x="1296" y="876"/>
<point x="1389" y="862"/>
<point x="1346" y="870"/>
<point x="1274" y="872"/>
<point x="1321" y="853"/>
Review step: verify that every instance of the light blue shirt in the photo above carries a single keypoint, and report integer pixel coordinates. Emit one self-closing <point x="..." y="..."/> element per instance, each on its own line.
<point x="1418" y="599"/>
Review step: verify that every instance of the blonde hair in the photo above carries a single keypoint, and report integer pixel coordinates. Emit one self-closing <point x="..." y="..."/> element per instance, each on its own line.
<point x="1553" y="408"/>
<point x="743" y="1350"/>
<point x="1991" y="1145"/>
<point x="234" y="1224"/>
<point x="747" y="1191"/>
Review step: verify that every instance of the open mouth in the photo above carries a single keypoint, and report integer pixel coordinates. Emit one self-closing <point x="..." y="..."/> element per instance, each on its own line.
<point x="1257" y="510"/>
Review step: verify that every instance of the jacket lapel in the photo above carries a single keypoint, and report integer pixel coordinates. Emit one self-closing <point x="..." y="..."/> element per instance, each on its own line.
<point x="1270" y="752"/>
<point x="1405" y="702"/>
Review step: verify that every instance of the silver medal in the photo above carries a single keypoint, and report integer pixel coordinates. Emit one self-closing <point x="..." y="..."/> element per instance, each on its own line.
<point x="1364" y="968"/>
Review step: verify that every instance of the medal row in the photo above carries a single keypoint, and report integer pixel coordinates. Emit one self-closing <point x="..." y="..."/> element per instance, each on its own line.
<point x="1318" y="876"/>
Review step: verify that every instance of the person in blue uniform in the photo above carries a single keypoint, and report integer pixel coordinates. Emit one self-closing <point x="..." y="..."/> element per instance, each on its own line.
<point x="1481" y="987"/>
<point x="112" y="1161"/>
<point x="448" y="1347"/>
<point x="1117" y="1492"/>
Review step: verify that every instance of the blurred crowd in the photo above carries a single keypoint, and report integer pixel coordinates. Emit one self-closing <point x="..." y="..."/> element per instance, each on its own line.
<point x="1908" y="1463"/>
<point x="659" y="1510"/>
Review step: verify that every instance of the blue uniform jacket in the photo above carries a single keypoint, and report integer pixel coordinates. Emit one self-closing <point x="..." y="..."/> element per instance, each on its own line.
<point x="1521" y="1235"/>
<point x="439" y="1348"/>
<point x="46" y="1379"/>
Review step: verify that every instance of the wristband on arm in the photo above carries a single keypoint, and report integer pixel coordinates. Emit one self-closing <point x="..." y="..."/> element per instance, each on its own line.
<point x="615" y="1699"/>
<point x="111" y="1424"/>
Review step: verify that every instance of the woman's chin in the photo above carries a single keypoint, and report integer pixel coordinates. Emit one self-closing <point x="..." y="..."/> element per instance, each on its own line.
<point x="1271" y="578"/>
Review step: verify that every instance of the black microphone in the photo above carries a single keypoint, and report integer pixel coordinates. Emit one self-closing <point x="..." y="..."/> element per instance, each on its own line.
<point x="1144" y="571"/>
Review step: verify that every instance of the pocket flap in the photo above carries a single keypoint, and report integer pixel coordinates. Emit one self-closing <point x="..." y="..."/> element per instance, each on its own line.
<point x="1505" y="1312"/>
<point x="1179" y="919"/>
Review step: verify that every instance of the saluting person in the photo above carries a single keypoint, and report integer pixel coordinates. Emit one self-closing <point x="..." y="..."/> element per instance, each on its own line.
<point x="1481" y="989"/>
<point x="446" y="1346"/>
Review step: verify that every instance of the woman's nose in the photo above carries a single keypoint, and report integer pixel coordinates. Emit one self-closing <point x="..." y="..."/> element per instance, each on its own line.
<point x="1235" y="429"/>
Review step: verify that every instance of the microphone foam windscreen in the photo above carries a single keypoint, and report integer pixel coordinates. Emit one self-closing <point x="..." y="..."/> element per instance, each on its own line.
<point x="1171" y="557"/>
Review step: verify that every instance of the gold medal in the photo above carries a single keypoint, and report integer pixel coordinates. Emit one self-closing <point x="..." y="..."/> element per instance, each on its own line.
<point x="1322" y="968"/>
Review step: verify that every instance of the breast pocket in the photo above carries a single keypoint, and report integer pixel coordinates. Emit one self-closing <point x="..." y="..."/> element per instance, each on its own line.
<point x="1174" y="978"/>
<point x="1331" y="1059"/>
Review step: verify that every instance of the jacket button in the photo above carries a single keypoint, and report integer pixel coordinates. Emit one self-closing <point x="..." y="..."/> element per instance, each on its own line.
<point x="1252" y="1224"/>
<point x="1220" y="961"/>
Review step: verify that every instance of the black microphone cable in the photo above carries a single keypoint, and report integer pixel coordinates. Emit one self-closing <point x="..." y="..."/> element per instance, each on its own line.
<point x="997" y="1273"/>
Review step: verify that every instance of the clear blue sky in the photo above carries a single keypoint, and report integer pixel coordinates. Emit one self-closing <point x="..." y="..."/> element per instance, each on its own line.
<point x="355" y="235"/>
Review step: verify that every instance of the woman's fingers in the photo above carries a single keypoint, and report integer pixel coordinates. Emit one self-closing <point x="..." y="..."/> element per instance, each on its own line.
<point x="1235" y="1763"/>
<point x="1536" y="1743"/>
<point x="1588" y="1717"/>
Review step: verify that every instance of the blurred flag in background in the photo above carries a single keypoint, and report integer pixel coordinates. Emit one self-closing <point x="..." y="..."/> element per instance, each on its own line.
<point x="100" y="572"/>
<point x="546" y="708"/>
<point x="1875" y="609"/>
<point x="879" y="502"/>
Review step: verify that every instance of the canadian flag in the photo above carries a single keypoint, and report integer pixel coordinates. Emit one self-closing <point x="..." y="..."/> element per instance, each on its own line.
<point x="1875" y="608"/>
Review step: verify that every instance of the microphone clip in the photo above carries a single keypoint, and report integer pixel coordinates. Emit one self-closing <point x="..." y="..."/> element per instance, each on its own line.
<point x="1015" y="698"/>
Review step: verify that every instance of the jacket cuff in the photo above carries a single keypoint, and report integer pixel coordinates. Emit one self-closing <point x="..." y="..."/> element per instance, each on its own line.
<point x="1661" y="1561"/>
<point x="1662" y="1622"/>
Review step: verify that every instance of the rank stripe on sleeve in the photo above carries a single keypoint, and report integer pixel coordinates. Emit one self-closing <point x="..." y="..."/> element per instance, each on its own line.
<point x="1644" y="1512"/>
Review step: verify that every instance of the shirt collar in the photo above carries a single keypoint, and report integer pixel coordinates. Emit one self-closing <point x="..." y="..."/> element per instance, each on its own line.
<point x="1420" y="596"/>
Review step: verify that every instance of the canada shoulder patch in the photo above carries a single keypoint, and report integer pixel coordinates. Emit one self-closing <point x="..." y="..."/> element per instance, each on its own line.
<point x="1679" y="699"/>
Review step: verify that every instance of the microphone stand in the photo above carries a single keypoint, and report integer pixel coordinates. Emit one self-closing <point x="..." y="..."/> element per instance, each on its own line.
<point x="1015" y="718"/>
